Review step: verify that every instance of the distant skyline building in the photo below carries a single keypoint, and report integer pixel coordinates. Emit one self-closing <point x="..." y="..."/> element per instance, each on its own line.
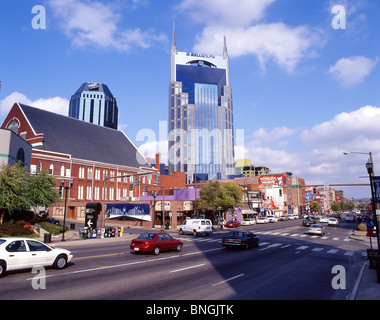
<point x="94" y="103"/>
<point x="201" y="129"/>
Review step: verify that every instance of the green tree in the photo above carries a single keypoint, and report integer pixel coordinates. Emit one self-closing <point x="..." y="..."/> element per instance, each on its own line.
<point x="19" y="189"/>
<point x="13" y="188"/>
<point x="215" y="196"/>
<point x="335" y="207"/>
<point x="315" y="206"/>
<point x="41" y="191"/>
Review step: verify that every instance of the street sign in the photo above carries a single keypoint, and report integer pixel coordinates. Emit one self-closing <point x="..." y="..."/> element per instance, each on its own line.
<point x="376" y="187"/>
<point x="297" y="186"/>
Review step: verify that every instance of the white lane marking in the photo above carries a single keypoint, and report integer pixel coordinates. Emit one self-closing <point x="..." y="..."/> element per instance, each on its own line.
<point x="187" y="268"/>
<point x="238" y="276"/>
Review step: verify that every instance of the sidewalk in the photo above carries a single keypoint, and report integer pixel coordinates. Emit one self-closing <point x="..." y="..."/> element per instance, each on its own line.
<point x="367" y="286"/>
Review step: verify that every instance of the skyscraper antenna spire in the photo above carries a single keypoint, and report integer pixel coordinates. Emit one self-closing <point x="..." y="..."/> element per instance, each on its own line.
<point x="225" y="52"/>
<point x="174" y="45"/>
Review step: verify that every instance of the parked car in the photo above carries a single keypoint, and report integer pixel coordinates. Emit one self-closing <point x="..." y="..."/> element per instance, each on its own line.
<point x="196" y="227"/>
<point x="155" y="242"/>
<point x="350" y="218"/>
<point x="333" y="222"/>
<point x="243" y="239"/>
<point x="22" y="253"/>
<point x="316" y="229"/>
<point x="272" y="218"/>
<point x="308" y="221"/>
<point x="284" y="217"/>
<point x="262" y="220"/>
<point x="232" y="224"/>
<point x="248" y="222"/>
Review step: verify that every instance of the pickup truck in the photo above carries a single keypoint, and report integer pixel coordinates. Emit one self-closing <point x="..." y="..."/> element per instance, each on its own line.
<point x="243" y="239"/>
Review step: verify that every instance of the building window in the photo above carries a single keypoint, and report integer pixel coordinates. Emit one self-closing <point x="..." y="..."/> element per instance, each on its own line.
<point x="51" y="169"/>
<point x="80" y="192"/>
<point x="81" y="173"/>
<point x="62" y="171"/>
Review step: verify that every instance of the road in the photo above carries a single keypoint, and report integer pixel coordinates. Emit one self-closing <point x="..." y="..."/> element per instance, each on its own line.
<point x="288" y="265"/>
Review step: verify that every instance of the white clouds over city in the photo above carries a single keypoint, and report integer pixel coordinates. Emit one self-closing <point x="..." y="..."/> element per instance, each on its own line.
<point x="55" y="104"/>
<point x="353" y="70"/>
<point x="274" y="42"/>
<point x="92" y="24"/>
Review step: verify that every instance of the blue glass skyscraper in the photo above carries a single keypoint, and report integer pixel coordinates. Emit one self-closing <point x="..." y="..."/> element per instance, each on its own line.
<point x="201" y="130"/>
<point x="94" y="103"/>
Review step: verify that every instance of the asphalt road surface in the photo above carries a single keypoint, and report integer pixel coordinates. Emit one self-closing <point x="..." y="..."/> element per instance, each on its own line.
<point x="289" y="264"/>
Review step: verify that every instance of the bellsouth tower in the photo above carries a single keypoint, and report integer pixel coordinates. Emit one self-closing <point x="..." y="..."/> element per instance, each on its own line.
<point x="201" y="129"/>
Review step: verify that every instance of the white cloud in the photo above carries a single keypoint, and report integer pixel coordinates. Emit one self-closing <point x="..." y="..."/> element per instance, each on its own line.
<point x="225" y="12"/>
<point x="55" y="104"/>
<point x="347" y="130"/>
<point x="95" y="25"/>
<point x="270" y="43"/>
<point x="352" y="71"/>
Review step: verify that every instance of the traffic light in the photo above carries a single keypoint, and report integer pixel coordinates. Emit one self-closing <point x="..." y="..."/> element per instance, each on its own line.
<point x="157" y="179"/>
<point x="131" y="187"/>
<point x="146" y="188"/>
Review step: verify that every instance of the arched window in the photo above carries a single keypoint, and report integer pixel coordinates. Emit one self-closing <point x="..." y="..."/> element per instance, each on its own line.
<point x="14" y="125"/>
<point x="21" y="155"/>
<point x="51" y="169"/>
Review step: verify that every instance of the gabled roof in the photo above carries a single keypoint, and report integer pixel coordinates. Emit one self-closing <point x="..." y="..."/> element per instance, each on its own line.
<point x="83" y="140"/>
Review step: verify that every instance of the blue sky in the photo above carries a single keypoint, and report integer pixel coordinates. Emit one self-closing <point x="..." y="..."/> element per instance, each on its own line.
<point x="305" y="83"/>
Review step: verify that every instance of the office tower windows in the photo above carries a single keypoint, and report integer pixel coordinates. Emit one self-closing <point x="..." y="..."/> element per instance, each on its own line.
<point x="94" y="103"/>
<point x="201" y="138"/>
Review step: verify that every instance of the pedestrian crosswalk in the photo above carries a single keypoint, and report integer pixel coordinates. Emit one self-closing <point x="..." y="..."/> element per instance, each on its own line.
<point x="265" y="245"/>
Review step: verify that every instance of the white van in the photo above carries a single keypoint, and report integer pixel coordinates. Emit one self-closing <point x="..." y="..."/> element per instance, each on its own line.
<point x="196" y="226"/>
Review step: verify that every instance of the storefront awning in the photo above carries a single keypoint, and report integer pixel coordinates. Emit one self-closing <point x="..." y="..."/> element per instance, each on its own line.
<point x="245" y="209"/>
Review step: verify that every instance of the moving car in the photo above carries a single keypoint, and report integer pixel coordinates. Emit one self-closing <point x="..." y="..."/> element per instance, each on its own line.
<point x="196" y="227"/>
<point x="243" y="239"/>
<point x="22" y="253"/>
<point x="272" y="218"/>
<point x="232" y="224"/>
<point x="155" y="242"/>
<point x="248" y="222"/>
<point x="350" y="218"/>
<point x="333" y="222"/>
<point x="323" y="219"/>
<point x="316" y="229"/>
<point x="262" y="220"/>
<point x="308" y="221"/>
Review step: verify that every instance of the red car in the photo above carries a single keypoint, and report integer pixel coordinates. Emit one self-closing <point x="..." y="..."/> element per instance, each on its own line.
<point x="232" y="224"/>
<point x="155" y="242"/>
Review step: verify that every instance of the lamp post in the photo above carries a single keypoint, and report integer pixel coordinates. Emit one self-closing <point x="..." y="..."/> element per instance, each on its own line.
<point x="369" y="166"/>
<point x="64" y="214"/>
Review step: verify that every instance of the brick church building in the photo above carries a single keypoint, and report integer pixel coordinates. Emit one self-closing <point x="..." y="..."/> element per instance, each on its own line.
<point x="80" y="153"/>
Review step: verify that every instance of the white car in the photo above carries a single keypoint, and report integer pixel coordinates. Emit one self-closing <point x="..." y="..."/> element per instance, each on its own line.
<point x="196" y="227"/>
<point x="316" y="229"/>
<point x="262" y="220"/>
<point x="333" y="222"/>
<point x="323" y="220"/>
<point x="272" y="218"/>
<point x="24" y="253"/>
<point x="248" y="222"/>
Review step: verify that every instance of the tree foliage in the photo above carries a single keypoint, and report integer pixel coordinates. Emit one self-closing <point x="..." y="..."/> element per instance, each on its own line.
<point x="19" y="189"/>
<point x="215" y="196"/>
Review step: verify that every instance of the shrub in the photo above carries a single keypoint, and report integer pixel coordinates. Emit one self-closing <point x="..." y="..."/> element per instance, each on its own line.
<point x="362" y="227"/>
<point x="52" y="228"/>
<point x="17" y="229"/>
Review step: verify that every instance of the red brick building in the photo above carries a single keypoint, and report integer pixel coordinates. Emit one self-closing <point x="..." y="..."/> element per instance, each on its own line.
<point x="81" y="152"/>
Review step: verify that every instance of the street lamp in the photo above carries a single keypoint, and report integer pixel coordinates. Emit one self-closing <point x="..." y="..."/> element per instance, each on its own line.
<point x="64" y="214"/>
<point x="369" y="166"/>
